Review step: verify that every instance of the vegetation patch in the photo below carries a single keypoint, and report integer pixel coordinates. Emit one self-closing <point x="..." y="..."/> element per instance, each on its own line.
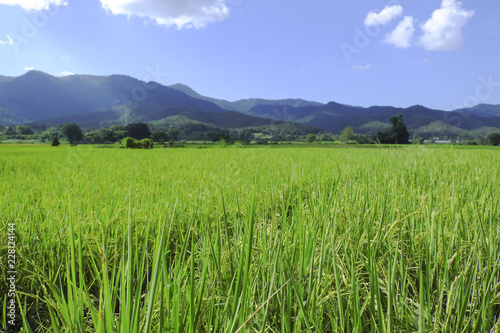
<point x="132" y="143"/>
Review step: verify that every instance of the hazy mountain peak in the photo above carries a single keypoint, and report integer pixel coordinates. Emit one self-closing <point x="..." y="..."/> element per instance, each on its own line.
<point x="185" y="89"/>
<point x="36" y="73"/>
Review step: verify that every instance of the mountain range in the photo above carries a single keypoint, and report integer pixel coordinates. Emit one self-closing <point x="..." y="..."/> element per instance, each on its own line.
<point x="101" y="101"/>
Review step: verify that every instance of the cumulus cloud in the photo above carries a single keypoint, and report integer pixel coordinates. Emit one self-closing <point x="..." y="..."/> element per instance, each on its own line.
<point x="29" y="68"/>
<point x="443" y="31"/>
<point x="34" y="4"/>
<point x="385" y="16"/>
<point x="180" y="13"/>
<point x="402" y="35"/>
<point x="67" y="73"/>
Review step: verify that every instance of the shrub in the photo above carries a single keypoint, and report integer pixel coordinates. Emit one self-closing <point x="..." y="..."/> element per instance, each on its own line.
<point x="146" y="144"/>
<point x="129" y="142"/>
<point x="222" y="143"/>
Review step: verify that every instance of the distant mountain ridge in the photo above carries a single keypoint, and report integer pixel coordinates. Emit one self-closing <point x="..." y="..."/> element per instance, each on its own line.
<point x="100" y="101"/>
<point x="334" y="117"/>
<point x="244" y="105"/>
<point x="482" y="110"/>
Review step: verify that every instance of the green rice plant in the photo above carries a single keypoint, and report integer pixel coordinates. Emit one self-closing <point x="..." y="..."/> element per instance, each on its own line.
<point x="395" y="239"/>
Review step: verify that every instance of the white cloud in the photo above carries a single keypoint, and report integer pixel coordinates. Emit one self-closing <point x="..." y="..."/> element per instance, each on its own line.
<point x="9" y="41"/>
<point x="34" y="4"/>
<point x="66" y="58"/>
<point x="385" y="16"/>
<point x="443" y="31"/>
<point x="67" y="73"/>
<point x="29" y="68"/>
<point x="361" y="67"/>
<point x="402" y="35"/>
<point x="180" y="13"/>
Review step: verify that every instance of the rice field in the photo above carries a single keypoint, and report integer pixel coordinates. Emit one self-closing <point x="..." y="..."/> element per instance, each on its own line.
<point x="400" y="239"/>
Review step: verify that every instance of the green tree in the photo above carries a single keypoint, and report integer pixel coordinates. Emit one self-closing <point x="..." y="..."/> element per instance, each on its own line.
<point x="397" y="134"/>
<point x="173" y="134"/>
<point x="363" y="139"/>
<point x="10" y="131"/>
<point x="107" y="135"/>
<point x="492" y="139"/>
<point x="24" y="130"/>
<point x="73" y="133"/>
<point x="310" y="138"/>
<point x="138" y="131"/>
<point x="159" y="137"/>
<point x="221" y="136"/>
<point x="326" y="137"/>
<point x="245" y="136"/>
<point x="55" y="141"/>
<point x="115" y="133"/>
<point x="347" y="134"/>
<point x="94" y="137"/>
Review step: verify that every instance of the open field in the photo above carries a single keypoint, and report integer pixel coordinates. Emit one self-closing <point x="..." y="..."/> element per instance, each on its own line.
<point x="262" y="239"/>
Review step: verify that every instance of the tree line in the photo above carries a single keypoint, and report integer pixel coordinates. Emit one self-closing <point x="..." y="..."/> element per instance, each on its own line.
<point x="73" y="134"/>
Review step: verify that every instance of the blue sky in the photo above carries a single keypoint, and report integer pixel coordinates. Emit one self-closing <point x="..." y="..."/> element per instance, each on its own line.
<point x="441" y="54"/>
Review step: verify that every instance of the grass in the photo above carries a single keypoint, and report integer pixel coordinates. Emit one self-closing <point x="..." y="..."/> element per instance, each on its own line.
<point x="255" y="240"/>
